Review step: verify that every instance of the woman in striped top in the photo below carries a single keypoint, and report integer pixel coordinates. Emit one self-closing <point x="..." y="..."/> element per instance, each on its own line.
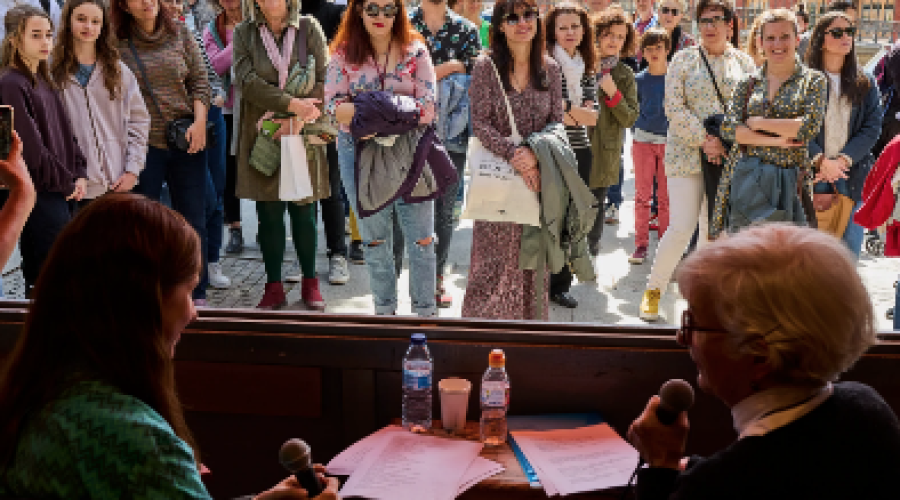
<point x="570" y="43"/>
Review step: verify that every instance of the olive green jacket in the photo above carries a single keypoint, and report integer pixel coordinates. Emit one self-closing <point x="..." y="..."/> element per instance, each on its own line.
<point x="609" y="134"/>
<point x="257" y="80"/>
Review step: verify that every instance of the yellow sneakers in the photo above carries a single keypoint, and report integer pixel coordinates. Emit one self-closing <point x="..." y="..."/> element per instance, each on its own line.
<point x="650" y="305"/>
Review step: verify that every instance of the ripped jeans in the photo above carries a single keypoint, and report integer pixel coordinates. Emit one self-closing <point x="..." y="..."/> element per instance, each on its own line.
<point x="416" y="223"/>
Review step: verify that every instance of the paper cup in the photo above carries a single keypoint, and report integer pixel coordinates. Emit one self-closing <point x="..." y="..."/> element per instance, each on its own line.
<point x="454" y="403"/>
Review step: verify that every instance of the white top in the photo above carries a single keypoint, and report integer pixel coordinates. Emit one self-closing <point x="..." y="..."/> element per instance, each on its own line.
<point x="771" y="409"/>
<point x="6" y="5"/>
<point x="837" y="118"/>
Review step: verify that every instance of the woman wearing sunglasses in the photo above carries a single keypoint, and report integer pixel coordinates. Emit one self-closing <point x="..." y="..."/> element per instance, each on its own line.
<point x="532" y="82"/>
<point x="377" y="49"/>
<point x="670" y="14"/>
<point x="853" y="115"/>
<point x="770" y="337"/>
<point x="694" y="92"/>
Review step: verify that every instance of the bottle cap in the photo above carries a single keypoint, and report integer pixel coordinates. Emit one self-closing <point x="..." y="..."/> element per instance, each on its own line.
<point x="417" y="339"/>
<point x="497" y="359"/>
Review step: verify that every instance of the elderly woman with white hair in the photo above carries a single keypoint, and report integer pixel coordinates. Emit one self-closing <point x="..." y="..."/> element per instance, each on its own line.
<point x="775" y="314"/>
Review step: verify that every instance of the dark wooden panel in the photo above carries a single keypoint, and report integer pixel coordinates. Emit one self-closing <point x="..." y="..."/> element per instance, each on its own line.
<point x="239" y="388"/>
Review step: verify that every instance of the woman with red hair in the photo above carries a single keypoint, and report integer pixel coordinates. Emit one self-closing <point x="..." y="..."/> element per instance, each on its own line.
<point x="377" y="49"/>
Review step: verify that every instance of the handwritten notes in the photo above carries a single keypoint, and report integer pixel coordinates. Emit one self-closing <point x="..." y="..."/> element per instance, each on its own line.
<point x="577" y="460"/>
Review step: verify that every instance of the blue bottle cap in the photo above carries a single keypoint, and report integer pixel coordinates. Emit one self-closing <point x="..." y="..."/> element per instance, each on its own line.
<point x="417" y="339"/>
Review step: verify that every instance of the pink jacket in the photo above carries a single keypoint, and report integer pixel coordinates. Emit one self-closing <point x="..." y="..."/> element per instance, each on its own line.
<point x="112" y="134"/>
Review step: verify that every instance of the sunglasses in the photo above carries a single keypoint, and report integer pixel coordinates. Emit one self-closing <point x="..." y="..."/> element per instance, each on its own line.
<point x="389" y="11"/>
<point x="668" y="10"/>
<point x="685" y="334"/>
<point x="513" y="18"/>
<point x="712" y="22"/>
<point x="838" y="33"/>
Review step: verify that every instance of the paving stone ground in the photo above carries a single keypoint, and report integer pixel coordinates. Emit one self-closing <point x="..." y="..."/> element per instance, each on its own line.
<point x="613" y="299"/>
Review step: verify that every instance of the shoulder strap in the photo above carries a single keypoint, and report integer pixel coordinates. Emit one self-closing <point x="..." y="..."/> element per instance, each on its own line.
<point x="302" y="56"/>
<point x="512" y="121"/>
<point x="140" y="65"/>
<point x="713" y="78"/>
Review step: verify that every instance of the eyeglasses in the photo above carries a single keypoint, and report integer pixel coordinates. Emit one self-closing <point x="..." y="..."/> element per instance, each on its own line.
<point x="668" y="10"/>
<point x="513" y="19"/>
<point x="712" y="22"/>
<point x="389" y="10"/>
<point x="838" y="33"/>
<point x="685" y="335"/>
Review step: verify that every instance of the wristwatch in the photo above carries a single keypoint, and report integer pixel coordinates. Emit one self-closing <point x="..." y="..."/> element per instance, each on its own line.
<point x="568" y="106"/>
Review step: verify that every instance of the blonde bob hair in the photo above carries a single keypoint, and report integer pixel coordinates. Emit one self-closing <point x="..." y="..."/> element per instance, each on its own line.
<point x="788" y="294"/>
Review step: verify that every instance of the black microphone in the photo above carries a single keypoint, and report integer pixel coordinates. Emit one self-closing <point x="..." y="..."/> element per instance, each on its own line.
<point x="296" y="457"/>
<point x="675" y="396"/>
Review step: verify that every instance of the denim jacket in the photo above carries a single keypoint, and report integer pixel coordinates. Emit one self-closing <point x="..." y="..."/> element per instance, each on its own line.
<point x="864" y="130"/>
<point x="453" y="112"/>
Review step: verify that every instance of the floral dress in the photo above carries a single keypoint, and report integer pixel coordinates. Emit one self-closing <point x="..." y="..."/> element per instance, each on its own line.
<point x="497" y="288"/>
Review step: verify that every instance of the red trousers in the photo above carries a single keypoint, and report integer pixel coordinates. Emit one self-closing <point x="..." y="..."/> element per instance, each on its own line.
<point x="648" y="164"/>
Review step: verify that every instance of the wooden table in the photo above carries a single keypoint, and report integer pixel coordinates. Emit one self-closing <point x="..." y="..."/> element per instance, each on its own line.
<point x="512" y="483"/>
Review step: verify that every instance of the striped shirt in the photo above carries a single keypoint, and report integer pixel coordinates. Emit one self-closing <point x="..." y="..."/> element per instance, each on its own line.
<point x="578" y="138"/>
<point x="215" y="81"/>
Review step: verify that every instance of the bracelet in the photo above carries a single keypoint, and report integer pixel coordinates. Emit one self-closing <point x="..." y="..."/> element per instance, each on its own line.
<point x="572" y="118"/>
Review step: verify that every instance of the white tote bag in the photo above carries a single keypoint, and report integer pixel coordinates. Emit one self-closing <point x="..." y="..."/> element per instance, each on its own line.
<point x="496" y="192"/>
<point x="294" y="183"/>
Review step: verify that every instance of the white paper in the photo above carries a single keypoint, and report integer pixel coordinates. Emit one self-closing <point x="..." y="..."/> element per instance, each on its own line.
<point x="479" y="470"/>
<point x="407" y="466"/>
<point x="578" y="460"/>
<point x="345" y="463"/>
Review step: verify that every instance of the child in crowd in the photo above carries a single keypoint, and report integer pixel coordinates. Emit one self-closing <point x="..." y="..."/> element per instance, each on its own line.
<point x="649" y="146"/>
<point x="49" y="147"/>
<point x="102" y="98"/>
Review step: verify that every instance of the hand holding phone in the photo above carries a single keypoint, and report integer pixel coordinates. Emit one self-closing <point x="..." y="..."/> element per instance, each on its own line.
<point x="13" y="171"/>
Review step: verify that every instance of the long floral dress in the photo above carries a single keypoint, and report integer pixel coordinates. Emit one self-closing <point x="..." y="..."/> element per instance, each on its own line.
<point x="497" y="288"/>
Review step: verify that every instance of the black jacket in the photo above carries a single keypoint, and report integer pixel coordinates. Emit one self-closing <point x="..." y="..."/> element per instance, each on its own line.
<point x="328" y="14"/>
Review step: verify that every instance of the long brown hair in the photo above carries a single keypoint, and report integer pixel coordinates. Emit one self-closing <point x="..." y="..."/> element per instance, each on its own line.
<point x="98" y="309"/>
<point x="854" y="83"/>
<point x="500" y="53"/>
<point x="15" y="22"/>
<point x="353" y="40"/>
<point x="65" y="64"/>
<point x="586" y="47"/>
<point x="122" y="19"/>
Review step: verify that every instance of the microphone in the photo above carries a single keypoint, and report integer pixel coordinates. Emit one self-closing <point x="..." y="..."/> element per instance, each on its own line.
<point x="675" y="396"/>
<point x="296" y="457"/>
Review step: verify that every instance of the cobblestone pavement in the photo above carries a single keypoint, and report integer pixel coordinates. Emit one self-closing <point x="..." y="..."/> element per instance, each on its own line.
<point x="613" y="299"/>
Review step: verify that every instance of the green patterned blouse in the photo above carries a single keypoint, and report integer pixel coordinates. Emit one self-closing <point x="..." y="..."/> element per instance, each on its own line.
<point x="94" y="442"/>
<point x="803" y="95"/>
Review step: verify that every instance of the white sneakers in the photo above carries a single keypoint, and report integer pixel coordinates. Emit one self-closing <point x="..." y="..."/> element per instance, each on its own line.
<point x="338" y="273"/>
<point x="216" y="278"/>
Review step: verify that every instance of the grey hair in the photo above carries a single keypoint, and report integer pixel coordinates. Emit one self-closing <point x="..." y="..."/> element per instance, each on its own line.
<point x="251" y="11"/>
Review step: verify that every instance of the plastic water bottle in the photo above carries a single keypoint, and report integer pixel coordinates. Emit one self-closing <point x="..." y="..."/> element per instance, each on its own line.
<point x="494" y="400"/>
<point x="417" y="374"/>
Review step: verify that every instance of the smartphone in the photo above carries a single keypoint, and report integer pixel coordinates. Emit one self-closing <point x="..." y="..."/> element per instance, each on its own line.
<point x="6" y="131"/>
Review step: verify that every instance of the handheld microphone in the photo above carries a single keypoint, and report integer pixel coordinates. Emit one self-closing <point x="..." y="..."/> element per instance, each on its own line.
<point x="675" y="396"/>
<point x="296" y="457"/>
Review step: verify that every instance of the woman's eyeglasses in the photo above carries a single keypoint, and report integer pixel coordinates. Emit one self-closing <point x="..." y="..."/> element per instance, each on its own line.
<point x="668" y="10"/>
<point x="685" y="335"/>
<point x="838" y="33"/>
<point x="712" y="22"/>
<point x="389" y="10"/>
<point x="513" y="19"/>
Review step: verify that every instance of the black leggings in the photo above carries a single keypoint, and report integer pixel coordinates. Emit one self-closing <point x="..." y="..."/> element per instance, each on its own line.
<point x="232" y="202"/>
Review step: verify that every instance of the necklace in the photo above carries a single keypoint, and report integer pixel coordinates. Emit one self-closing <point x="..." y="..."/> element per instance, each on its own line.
<point x="517" y="81"/>
<point x="382" y="71"/>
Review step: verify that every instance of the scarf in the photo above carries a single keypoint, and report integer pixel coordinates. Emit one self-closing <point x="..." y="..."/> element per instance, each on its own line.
<point x="281" y="61"/>
<point x="607" y="64"/>
<point x="573" y="71"/>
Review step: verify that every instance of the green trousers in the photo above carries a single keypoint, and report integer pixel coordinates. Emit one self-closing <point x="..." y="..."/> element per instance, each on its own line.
<point x="273" y="236"/>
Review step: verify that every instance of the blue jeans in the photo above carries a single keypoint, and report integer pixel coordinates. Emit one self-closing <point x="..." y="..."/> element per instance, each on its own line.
<point x="416" y="223"/>
<point x="215" y="184"/>
<point x="614" y="193"/>
<point x="186" y="176"/>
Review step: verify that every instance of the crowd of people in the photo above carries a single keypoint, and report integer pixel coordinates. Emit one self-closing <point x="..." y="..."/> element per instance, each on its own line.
<point x="187" y="103"/>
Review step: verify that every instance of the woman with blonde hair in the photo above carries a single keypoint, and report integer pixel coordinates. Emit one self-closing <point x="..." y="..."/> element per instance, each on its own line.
<point x="770" y="338"/>
<point x="753" y="43"/>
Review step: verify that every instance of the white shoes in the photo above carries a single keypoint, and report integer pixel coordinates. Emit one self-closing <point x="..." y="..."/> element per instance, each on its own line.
<point x="338" y="274"/>
<point x="216" y="278"/>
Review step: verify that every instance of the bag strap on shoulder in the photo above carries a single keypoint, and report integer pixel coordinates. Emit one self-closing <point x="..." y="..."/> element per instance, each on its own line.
<point x="713" y="78"/>
<point x="140" y="65"/>
<point x="512" y="120"/>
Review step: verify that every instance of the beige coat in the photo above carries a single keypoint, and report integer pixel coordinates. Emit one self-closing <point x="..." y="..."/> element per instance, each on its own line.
<point x="257" y="80"/>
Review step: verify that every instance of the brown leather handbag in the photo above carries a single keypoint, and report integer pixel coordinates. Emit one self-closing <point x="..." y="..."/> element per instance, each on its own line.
<point x="833" y="211"/>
